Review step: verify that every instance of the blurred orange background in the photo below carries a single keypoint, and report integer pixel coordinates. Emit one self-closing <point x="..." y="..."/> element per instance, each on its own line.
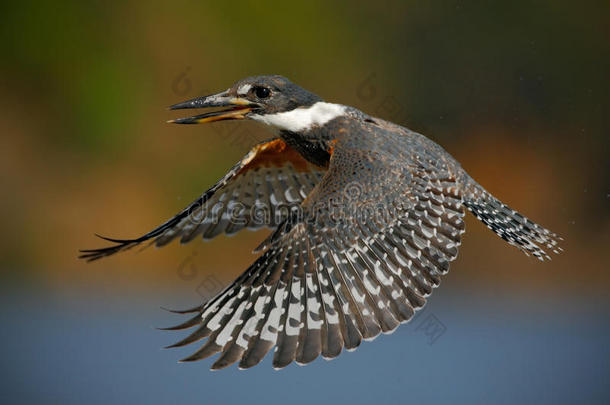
<point x="86" y="148"/>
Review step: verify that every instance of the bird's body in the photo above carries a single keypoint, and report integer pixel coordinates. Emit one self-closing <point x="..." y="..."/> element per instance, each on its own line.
<point x="367" y="216"/>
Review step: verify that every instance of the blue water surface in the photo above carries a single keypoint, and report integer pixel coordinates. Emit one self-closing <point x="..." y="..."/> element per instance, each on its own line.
<point x="483" y="349"/>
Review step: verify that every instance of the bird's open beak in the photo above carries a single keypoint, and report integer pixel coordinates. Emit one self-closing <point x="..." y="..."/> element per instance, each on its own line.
<point x="237" y="108"/>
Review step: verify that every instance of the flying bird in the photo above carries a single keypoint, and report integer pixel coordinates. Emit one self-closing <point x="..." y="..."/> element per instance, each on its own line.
<point x="366" y="217"/>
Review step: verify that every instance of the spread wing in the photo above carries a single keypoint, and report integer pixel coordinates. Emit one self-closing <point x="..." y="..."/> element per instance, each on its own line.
<point x="368" y="245"/>
<point x="258" y="191"/>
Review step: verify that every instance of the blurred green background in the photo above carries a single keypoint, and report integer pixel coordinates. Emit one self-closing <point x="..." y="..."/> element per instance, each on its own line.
<point x="517" y="91"/>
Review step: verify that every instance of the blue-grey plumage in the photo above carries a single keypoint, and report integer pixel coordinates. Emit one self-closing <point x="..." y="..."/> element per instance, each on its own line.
<point x="367" y="216"/>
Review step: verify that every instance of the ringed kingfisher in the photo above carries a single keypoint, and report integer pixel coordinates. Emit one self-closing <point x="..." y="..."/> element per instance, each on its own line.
<point x="366" y="217"/>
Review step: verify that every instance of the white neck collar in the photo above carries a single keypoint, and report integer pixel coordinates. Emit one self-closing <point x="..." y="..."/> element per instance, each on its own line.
<point x="301" y="119"/>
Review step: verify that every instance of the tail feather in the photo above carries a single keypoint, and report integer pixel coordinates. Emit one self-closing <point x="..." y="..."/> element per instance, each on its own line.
<point x="513" y="227"/>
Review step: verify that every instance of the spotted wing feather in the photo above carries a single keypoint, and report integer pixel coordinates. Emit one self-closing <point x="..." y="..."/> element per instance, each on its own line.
<point x="510" y="225"/>
<point x="258" y="191"/>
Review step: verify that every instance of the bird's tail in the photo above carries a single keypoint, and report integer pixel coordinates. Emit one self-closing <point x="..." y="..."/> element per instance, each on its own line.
<point x="510" y="225"/>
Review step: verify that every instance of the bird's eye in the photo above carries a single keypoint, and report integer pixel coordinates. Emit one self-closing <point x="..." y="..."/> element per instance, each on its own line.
<point x="262" y="92"/>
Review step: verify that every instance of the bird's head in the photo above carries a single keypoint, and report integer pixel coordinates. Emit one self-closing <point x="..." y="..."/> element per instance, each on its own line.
<point x="252" y="97"/>
<point x="273" y="100"/>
